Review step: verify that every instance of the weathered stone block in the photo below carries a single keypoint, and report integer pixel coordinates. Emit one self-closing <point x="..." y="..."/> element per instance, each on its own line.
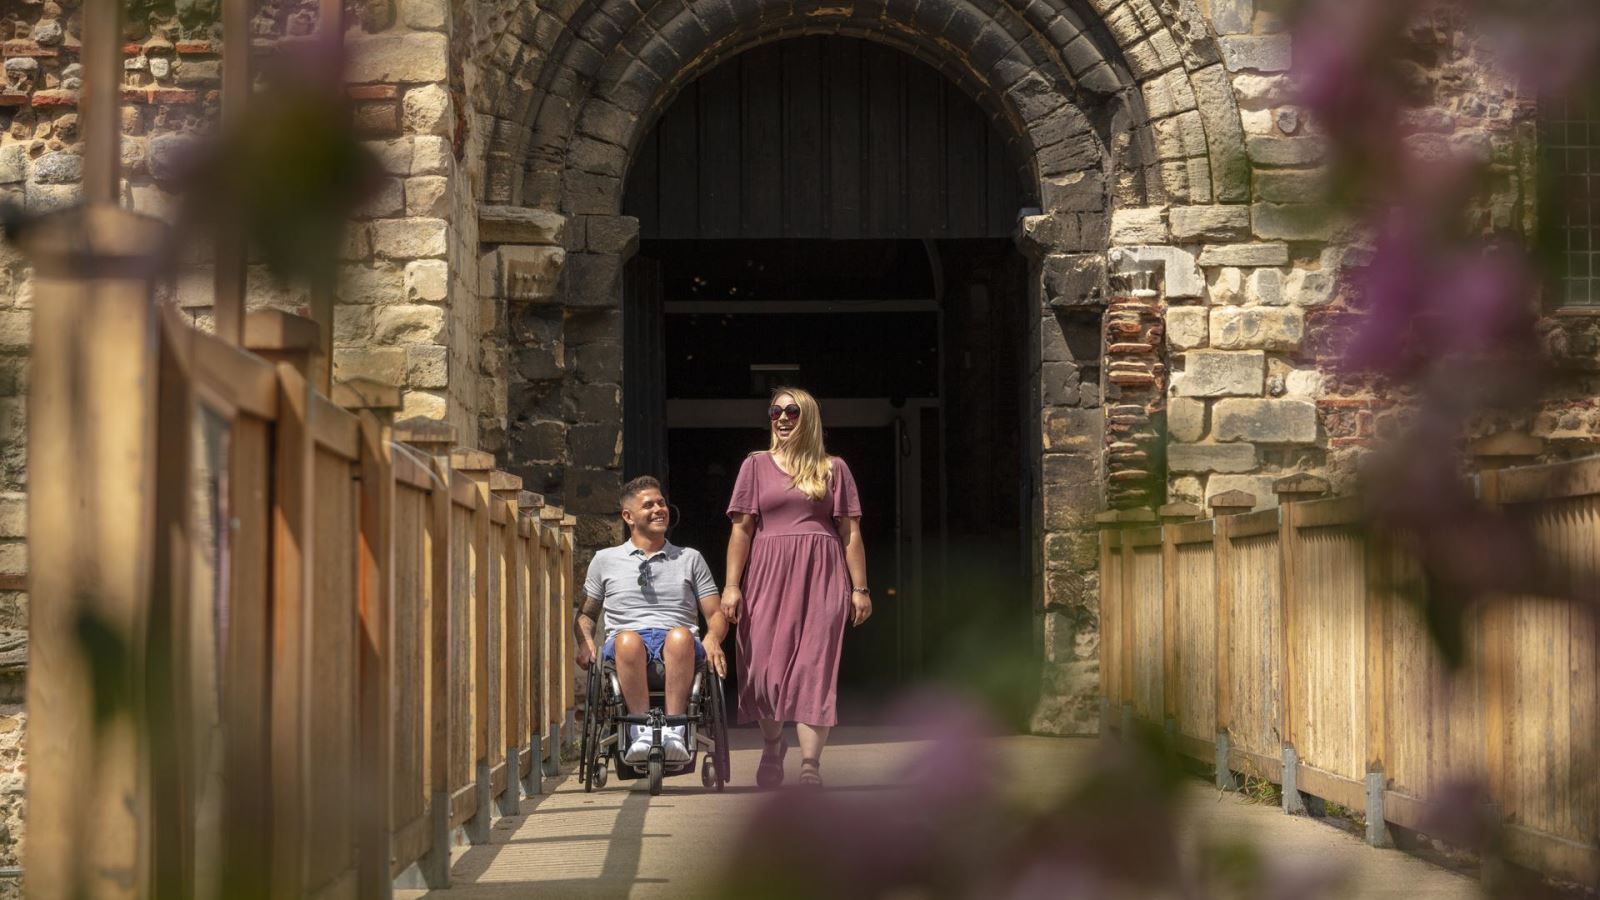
<point x="522" y="273"/>
<point x="13" y="515"/>
<point x="1180" y="278"/>
<point x="1186" y="419"/>
<point x="1211" y="457"/>
<point x="592" y="279"/>
<point x="598" y="444"/>
<point x="1077" y="192"/>
<point x="429" y="110"/>
<point x="352" y="325"/>
<point x="1265" y="421"/>
<point x="617" y="235"/>
<point x="427" y="15"/>
<point x="430" y="155"/>
<point x="427" y="366"/>
<point x="1291" y="222"/>
<point x="1147" y="225"/>
<point x="1308" y="289"/>
<point x="542" y="441"/>
<point x="1256" y="53"/>
<point x="1073" y="430"/>
<point x="14" y="163"/>
<point x="1233" y="16"/>
<point x="426" y="404"/>
<point x="1075" y="282"/>
<point x="60" y="167"/>
<point x="590" y="490"/>
<point x="1246" y="255"/>
<point x="1285" y="151"/>
<point x="1060" y="383"/>
<point x="369" y="284"/>
<point x="386" y="365"/>
<point x="388" y="199"/>
<point x="1265" y="287"/>
<point x="1256" y="328"/>
<point x="396" y="58"/>
<point x="1215" y="373"/>
<point x="408" y="324"/>
<point x="1209" y="223"/>
<point x="410" y="238"/>
<point x="16" y="329"/>
<point x="598" y="363"/>
<point x="1186" y="327"/>
<point x="425" y="281"/>
<point x="594" y="402"/>
<point x="1226" y="286"/>
<point x="1291" y="185"/>
<point x="393" y="156"/>
<point x="428" y="196"/>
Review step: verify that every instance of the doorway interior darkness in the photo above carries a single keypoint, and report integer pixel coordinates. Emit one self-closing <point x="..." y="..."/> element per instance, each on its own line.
<point x="831" y="213"/>
<point x="912" y="348"/>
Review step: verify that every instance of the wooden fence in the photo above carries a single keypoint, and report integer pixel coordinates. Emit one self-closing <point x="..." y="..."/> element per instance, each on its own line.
<point x="276" y="650"/>
<point x="1278" y="644"/>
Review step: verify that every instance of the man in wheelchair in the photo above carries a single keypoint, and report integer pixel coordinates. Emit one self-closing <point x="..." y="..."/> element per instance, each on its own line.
<point x="648" y="588"/>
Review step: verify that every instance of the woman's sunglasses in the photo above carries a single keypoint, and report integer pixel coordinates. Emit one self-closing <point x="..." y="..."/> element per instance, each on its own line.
<point x="776" y="412"/>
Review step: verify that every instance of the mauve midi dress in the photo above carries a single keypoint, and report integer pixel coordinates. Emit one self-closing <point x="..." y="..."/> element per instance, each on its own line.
<point x="796" y="594"/>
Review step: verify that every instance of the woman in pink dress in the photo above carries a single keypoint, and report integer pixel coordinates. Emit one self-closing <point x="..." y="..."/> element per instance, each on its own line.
<point x="797" y="572"/>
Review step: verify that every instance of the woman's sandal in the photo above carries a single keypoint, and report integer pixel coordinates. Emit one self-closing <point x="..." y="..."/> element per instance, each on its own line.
<point x="811" y="773"/>
<point x="769" y="774"/>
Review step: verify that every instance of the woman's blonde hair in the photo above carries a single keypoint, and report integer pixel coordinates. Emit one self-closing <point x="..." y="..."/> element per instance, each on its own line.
<point x="808" y="462"/>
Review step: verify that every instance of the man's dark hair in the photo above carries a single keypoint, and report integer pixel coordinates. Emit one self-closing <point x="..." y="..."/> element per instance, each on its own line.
<point x="637" y="486"/>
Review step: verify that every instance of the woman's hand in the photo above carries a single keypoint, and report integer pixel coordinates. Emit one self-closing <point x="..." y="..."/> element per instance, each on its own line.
<point x="732" y="599"/>
<point x="860" y="607"/>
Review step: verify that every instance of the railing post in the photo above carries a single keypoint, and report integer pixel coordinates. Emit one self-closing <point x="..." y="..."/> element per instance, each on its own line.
<point x="528" y="505"/>
<point x="476" y="465"/>
<point x="435" y="864"/>
<point x="375" y="404"/>
<point x="1169" y="638"/>
<point x="91" y="482"/>
<point x="1223" y="507"/>
<point x="1495" y="628"/>
<point x="1288" y="614"/>
<point x="282" y="338"/>
<point x="504" y="489"/>
<point x="569" y="666"/>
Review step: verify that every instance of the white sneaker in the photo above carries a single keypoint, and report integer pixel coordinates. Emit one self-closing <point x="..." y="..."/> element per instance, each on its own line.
<point x="639" y="748"/>
<point x="677" y="749"/>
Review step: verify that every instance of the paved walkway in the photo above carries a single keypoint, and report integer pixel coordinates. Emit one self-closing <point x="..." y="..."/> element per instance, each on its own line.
<point x="620" y="842"/>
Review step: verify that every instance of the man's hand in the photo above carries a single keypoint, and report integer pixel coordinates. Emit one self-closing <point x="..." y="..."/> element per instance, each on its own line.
<point x="732" y="599"/>
<point x="715" y="657"/>
<point x="586" y="654"/>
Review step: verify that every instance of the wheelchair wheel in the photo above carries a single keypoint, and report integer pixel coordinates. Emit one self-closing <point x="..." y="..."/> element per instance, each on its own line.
<point x="591" y="774"/>
<point x="656" y="767"/>
<point x="719" y="734"/>
<point x="708" y="773"/>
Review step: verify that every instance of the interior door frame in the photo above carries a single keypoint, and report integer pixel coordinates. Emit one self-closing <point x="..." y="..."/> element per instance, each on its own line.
<point x="904" y="418"/>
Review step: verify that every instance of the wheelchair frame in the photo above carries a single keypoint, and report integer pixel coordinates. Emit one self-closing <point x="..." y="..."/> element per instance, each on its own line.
<point x="706" y="731"/>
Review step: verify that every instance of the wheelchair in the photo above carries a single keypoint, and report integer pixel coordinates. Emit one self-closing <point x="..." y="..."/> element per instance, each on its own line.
<point x="605" y="733"/>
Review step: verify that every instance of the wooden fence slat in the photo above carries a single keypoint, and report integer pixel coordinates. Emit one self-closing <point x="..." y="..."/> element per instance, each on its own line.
<point x="375" y="656"/>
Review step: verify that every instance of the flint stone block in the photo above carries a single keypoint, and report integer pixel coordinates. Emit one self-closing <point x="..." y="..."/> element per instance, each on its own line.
<point x="397" y="58"/>
<point x="1214" y="373"/>
<point x="58" y="168"/>
<point x="1186" y="419"/>
<point x="13" y="163"/>
<point x="1211" y="457"/>
<point x="1257" y="53"/>
<point x="1265" y="421"/>
<point x="1147" y="225"/>
<point x="1198" y="224"/>
<point x="1246" y="255"/>
<point x="1075" y="282"/>
<point x="1187" y="327"/>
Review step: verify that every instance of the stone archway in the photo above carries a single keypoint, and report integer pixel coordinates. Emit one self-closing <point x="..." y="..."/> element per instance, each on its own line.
<point x="1114" y="106"/>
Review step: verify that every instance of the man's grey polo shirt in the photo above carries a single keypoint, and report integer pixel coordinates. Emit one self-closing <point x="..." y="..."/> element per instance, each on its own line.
<point x="674" y="579"/>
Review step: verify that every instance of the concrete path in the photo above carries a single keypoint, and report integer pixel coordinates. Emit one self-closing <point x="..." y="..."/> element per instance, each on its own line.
<point x="621" y="842"/>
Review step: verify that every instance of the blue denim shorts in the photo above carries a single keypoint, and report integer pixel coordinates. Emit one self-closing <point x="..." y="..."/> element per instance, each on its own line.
<point x="654" y="639"/>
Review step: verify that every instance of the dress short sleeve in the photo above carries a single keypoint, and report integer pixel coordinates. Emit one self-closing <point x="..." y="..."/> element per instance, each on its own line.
<point x="842" y="487"/>
<point x="744" y="499"/>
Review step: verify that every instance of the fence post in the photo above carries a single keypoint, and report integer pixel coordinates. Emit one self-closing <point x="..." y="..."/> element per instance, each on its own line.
<point x="569" y="666"/>
<point x="435" y="864"/>
<point x="504" y="489"/>
<point x="375" y="404"/>
<point x="1288" y="616"/>
<point x="1497" y="648"/>
<point x="528" y="505"/>
<point x="550" y="522"/>
<point x="476" y="465"/>
<point x="1169" y="639"/>
<point x="91" y="478"/>
<point x="1223" y="507"/>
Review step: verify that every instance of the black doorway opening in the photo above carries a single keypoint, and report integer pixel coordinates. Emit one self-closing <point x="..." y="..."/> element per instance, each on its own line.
<point x="915" y="350"/>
